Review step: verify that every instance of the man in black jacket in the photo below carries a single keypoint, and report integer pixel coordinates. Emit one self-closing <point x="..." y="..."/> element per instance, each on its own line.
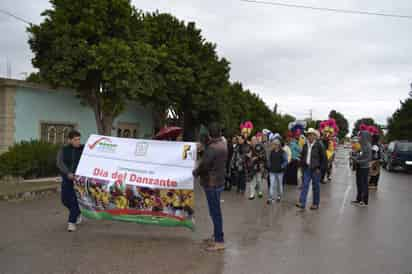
<point x="313" y="160"/>
<point x="67" y="161"/>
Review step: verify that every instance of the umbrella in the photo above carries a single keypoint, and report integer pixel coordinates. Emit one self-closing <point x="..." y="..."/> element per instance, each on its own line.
<point x="167" y="133"/>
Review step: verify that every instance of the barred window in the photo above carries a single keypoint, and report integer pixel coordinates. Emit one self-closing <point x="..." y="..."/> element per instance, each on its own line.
<point x="55" y="133"/>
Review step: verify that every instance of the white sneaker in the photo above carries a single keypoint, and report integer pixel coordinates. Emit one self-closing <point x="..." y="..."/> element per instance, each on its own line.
<point x="71" y="227"/>
<point x="79" y="220"/>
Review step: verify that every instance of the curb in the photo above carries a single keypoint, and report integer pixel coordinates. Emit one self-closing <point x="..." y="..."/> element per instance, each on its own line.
<point x="30" y="195"/>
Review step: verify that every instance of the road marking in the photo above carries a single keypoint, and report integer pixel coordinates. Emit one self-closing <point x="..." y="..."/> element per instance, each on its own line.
<point x="345" y="198"/>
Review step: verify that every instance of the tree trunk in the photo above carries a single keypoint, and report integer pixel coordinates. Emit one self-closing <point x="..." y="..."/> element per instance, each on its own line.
<point x="104" y="121"/>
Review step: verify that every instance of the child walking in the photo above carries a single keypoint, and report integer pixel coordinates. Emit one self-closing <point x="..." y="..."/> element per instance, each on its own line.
<point x="277" y="165"/>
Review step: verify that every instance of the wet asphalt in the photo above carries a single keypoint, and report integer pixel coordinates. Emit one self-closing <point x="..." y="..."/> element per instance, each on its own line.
<point x="339" y="238"/>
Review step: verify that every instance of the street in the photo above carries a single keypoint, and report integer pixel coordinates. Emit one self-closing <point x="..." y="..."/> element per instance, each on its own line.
<point x="339" y="238"/>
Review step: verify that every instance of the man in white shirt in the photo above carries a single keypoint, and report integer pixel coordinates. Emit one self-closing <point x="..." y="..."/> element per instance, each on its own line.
<point x="313" y="160"/>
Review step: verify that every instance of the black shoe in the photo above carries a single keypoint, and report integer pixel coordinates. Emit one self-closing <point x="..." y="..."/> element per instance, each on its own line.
<point x="298" y="205"/>
<point x="355" y="202"/>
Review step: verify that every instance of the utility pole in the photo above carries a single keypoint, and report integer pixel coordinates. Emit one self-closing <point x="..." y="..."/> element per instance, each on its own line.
<point x="311" y="114"/>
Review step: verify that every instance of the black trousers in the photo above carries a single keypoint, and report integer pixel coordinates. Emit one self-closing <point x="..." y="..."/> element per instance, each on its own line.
<point x="69" y="199"/>
<point x="240" y="181"/>
<point x="362" y="177"/>
<point x="374" y="180"/>
<point x="291" y="173"/>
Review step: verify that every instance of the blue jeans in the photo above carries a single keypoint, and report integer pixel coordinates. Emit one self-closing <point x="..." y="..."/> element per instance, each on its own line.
<point x="215" y="212"/>
<point x="308" y="176"/>
<point x="276" y="185"/>
<point x="69" y="199"/>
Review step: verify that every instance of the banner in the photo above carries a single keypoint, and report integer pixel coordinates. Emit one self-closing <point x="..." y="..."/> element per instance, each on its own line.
<point x="135" y="180"/>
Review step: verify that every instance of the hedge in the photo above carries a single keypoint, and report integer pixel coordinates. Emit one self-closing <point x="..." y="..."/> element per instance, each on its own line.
<point x="29" y="159"/>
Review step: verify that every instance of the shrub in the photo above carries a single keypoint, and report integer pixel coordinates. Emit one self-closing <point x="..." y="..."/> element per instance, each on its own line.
<point x="29" y="159"/>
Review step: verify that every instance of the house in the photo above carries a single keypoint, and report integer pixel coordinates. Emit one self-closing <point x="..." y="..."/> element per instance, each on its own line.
<point x="35" y="111"/>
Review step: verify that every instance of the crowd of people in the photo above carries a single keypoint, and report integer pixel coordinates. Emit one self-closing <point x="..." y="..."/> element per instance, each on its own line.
<point x="246" y="162"/>
<point x="302" y="156"/>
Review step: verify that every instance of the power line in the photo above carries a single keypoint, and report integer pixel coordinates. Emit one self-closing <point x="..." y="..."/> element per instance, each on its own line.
<point x="328" y="9"/>
<point x="15" y="17"/>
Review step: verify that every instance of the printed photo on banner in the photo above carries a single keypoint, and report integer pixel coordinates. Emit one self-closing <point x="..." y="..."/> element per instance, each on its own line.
<point x="140" y="181"/>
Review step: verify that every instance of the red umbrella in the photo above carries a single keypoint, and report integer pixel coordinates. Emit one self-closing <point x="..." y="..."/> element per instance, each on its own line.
<point x="167" y="133"/>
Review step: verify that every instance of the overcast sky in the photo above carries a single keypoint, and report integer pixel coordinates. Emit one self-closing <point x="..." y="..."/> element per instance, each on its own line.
<point x="300" y="59"/>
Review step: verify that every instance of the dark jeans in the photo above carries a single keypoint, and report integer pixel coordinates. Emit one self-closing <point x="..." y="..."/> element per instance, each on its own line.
<point x="362" y="175"/>
<point x="215" y="212"/>
<point x="69" y="199"/>
<point x="313" y="176"/>
<point x="240" y="179"/>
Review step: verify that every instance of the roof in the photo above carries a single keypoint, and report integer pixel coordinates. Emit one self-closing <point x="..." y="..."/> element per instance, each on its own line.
<point x="7" y="82"/>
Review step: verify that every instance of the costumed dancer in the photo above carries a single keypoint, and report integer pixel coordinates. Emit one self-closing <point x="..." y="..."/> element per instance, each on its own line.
<point x="296" y="129"/>
<point x="329" y="130"/>
<point x="258" y="167"/>
<point x="375" y="166"/>
<point x="241" y="158"/>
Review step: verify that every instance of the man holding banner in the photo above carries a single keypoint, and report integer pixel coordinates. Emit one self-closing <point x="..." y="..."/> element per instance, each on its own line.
<point x="67" y="161"/>
<point x="211" y="170"/>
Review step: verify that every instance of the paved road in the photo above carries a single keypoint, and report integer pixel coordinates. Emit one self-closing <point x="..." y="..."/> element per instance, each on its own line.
<point x="339" y="238"/>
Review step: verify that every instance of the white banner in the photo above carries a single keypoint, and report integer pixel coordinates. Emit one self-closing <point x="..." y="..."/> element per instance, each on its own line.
<point x="144" y="163"/>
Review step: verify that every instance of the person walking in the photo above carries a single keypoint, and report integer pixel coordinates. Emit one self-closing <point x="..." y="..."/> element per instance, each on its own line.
<point x="232" y="143"/>
<point x="292" y="168"/>
<point x="239" y="164"/>
<point x="211" y="170"/>
<point x="375" y="166"/>
<point x="258" y="166"/>
<point x="277" y="164"/>
<point x="67" y="161"/>
<point x="313" y="159"/>
<point x="362" y="161"/>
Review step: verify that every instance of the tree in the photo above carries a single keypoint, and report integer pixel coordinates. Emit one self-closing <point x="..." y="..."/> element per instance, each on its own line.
<point x="313" y="123"/>
<point x="96" y="48"/>
<point x="341" y="122"/>
<point x="366" y="121"/>
<point x="400" y="124"/>
<point x="192" y="78"/>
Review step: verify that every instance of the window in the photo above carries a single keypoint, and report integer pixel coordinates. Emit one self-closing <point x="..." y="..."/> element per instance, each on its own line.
<point x="404" y="147"/>
<point x="55" y="133"/>
<point x="128" y="130"/>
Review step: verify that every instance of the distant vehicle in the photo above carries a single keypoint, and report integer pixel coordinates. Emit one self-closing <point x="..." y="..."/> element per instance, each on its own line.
<point x="398" y="154"/>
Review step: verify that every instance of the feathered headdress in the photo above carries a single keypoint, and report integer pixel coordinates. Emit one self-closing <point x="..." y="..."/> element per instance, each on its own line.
<point x="297" y="128"/>
<point x="373" y="130"/>
<point x="246" y="127"/>
<point x="329" y="128"/>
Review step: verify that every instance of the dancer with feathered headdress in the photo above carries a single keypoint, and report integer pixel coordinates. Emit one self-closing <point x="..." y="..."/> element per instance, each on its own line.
<point x="329" y="129"/>
<point x="375" y="165"/>
<point x="296" y="130"/>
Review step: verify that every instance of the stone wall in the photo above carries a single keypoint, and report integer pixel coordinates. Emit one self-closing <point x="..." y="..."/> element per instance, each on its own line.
<point x="7" y="115"/>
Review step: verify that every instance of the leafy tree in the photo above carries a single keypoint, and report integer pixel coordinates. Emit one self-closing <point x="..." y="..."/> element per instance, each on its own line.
<point x="96" y="48"/>
<point x="313" y="123"/>
<point x="400" y="124"/>
<point x="191" y="77"/>
<point x="341" y="122"/>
